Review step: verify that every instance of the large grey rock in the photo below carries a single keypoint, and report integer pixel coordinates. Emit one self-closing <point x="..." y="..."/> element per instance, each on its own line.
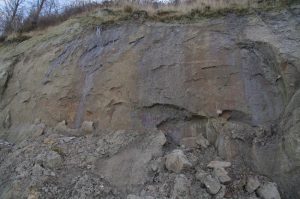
<point x="222" y="175"/>
<point x="252" y="184"/>
<point x="201" y="175"/>
<point x="50" y="159"/>
<point x="202" y="141"/>
<point x="268" y="191"/>
<point x="176" y="161"/>
<point x="221" y="193"/>
<point x="212" y="184"/>
<point x="87" y="127"/>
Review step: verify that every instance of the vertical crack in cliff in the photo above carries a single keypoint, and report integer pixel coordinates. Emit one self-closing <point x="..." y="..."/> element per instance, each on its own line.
<point x="89" y="66"/>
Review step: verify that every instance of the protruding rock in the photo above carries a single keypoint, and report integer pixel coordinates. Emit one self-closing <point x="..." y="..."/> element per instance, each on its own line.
<point x="252" y="184"/>
<point x="87" y="127"/>
<point x="201" y="175"/>
<point x="53" y="159"/>
<point x="212" y="184"/>
<point x="7" y="121"/>
<point x="218" y="164"/>
<point x="177" y="161"/>
<point x="268" y="191"/>
<point x="62" y="128"/>
<point x="25" y="97"/>
<point x="38" y="129"/>
<point x="156" y="165"/>
<point x="202" y="141"/>
<point x="50" y="159"/>
<point x="160" y="138"/>
<point x="222" y="175"/>
<point x="181" y="188"/>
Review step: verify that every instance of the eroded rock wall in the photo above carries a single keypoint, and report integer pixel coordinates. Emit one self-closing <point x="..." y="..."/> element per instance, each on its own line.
<point x="234" y="79"/>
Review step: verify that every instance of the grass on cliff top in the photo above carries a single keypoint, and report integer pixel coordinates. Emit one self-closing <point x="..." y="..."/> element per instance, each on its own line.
<point x="106" y="15"/>
<point x="185" y="13"/>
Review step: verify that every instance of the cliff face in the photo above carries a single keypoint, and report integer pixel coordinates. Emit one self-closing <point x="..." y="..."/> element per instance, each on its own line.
<point x="233" y="79"/>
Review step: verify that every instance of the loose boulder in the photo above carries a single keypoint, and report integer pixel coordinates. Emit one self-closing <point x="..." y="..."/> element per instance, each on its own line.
<point x="87" y="127"/>
<point x="176" y="161"/>
<point x="268" y="191"/>
<point x="181" y="188"/>
<point x="252" y="184"/>
<point x="222" y="175"/>
<point x="202" y="141"/>
<point x="218" y="164"/>
<point x="212" y="184"/>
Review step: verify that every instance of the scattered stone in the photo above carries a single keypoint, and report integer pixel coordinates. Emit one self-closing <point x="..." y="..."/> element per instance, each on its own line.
<point x="49" y="141"/>
<point x="66" y="139"/>
<point x="212" y="184"/>
<point x="156" y="165"/>
<point x="201" y="175"/>
<point x="222" y="175"/>
<point x="50" y="159"/>
<point x="160" y="138"/>
<point x="87" y="127"/>
<point x="221" y="193"/>
<point x="4" y="143"/>
<point x="131" y="196"/>
<point x="149" y="191"/>
<point x="219" y="112"/>
<point x="268" y="191"/>
<point x="176" y="161"/>
<point x="218" y="164"/>
<point x="202" y="141"/>
<point x="62" y="128"/>
<point x="181" y="187"/>
<point x="189" y="142"/>
<point x="53" y="159"/>
<point x="252" y="184"/>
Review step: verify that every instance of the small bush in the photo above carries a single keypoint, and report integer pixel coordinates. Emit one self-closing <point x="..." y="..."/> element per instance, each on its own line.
<point x="2" y="38"/>
<point x="128" y="9"/>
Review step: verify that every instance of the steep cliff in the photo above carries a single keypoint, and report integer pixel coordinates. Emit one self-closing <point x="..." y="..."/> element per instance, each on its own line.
<point x="232" y="80"/>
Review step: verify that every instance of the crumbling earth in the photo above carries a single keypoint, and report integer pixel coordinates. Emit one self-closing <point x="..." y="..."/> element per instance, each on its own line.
<point x="122" y="164"/>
